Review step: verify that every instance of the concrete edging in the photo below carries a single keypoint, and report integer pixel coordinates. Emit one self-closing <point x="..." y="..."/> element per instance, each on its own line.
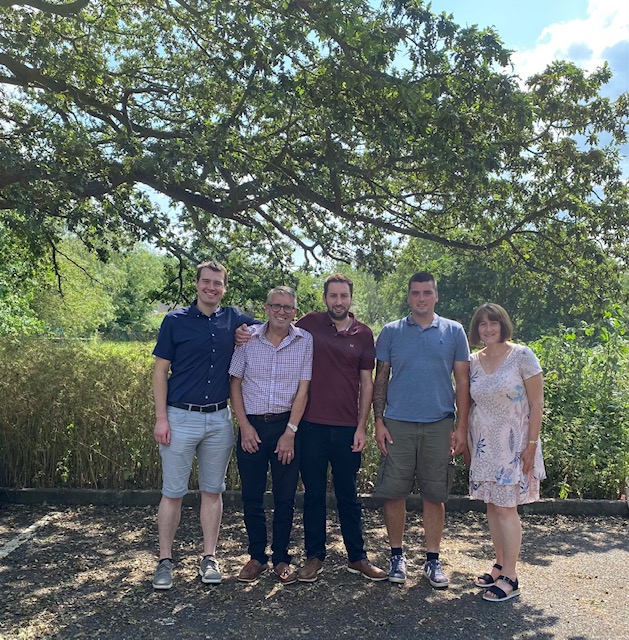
<point x="131" y="498"/>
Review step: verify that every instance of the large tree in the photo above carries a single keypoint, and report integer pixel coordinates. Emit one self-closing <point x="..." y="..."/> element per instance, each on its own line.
<point x="334" y="127"/>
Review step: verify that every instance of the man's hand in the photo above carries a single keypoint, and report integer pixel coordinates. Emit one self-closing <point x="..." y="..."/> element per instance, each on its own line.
<point x="360" y="439"/>
<point x="286" y="448"/>
<point x="382" y="437"/>
<point x="161" y="431"/>
<point x="241" y="335"/>
<point x="249" y="438"/>
<point x="458" y="441"/>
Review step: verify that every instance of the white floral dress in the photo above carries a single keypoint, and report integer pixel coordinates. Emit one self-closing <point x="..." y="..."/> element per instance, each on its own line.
<point x="499" y="431"/>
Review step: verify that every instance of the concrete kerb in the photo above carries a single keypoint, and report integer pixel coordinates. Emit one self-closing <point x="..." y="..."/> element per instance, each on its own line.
<point x="83" y="497"/>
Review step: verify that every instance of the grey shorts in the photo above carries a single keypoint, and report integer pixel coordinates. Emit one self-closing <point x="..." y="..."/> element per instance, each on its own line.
<point x="420" y="450"/>
<point x="210" y="436"/>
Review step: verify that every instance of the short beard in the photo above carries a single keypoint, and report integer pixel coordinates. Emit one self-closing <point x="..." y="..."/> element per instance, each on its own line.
<point x="337" y="317"/>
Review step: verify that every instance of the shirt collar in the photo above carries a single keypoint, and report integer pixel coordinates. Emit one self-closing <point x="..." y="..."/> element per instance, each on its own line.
<point x="259" y="331"/>
<point x="198" y="313"/>
<point x="434" y="323"/>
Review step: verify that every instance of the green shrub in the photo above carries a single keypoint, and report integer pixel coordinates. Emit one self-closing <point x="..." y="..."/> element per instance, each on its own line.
<point x="585" y="436"/>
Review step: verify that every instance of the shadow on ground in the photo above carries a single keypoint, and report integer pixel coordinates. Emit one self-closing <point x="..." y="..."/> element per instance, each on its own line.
<point x="86" y="573"/>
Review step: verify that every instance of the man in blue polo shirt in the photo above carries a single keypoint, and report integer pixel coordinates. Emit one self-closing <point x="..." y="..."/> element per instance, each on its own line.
<point x="415" y="434"/>
<point x="191" y="387"/>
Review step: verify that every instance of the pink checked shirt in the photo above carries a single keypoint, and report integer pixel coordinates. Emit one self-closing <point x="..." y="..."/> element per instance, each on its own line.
<point x="270" y="375"/>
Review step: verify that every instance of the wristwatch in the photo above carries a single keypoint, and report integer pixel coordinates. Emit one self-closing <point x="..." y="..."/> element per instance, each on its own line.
<point x="292" y="427"/>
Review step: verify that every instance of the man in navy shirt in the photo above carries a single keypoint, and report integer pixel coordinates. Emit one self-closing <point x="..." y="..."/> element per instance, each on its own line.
<point x="191" y="387"/>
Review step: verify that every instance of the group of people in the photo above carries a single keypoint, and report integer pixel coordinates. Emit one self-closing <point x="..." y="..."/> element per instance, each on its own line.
<point x="302" y="392"/>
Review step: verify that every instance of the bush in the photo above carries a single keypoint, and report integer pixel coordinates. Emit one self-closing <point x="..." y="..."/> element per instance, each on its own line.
<point x="585" y="436"/>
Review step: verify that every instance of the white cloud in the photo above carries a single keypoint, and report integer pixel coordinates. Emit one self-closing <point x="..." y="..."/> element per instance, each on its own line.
<point x="584" y="41"/>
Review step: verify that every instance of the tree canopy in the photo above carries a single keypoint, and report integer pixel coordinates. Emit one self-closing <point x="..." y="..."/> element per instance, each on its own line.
<point x="331" y="127"/>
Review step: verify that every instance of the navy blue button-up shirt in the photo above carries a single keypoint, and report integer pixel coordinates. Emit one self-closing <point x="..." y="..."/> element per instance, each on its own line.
<point x="199" y="349"/>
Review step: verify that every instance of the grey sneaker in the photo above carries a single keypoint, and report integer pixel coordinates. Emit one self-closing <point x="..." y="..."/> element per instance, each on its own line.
<point x="163" y="578"/>
<point x="209" y="570"/>
<point x="397" y="573"/>
<point x="435" y="574"/>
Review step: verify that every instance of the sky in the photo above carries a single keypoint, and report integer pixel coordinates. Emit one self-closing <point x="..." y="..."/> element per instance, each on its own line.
<point x="587" y="32"/>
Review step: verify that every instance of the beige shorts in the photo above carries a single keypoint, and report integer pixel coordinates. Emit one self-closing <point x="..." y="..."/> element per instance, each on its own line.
<point x="420" y="450"/>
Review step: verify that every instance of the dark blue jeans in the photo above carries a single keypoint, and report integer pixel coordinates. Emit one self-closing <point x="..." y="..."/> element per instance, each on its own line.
<point x="324" y="445"/>
<point x="253" y="468"/>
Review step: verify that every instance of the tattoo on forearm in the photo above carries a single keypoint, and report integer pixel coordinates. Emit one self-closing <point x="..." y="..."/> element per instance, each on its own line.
<point x="380" y="386"/>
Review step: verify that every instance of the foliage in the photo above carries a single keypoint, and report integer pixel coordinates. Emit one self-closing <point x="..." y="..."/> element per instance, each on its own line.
<point x="586" y="424"/>
<point x="80" y="414"/>
<point x="537" y="302"/>
<point x="18" y="273"/>
<point x="331" y="126"/>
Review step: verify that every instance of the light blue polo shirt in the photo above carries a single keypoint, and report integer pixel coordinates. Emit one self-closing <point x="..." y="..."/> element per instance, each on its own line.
<point x="422" y="361"/>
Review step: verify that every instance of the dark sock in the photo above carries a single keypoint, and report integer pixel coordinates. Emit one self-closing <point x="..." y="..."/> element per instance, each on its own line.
<point x="162" y="560"/>
<point x="432" y="556"/>
<point x="396" y="551"/>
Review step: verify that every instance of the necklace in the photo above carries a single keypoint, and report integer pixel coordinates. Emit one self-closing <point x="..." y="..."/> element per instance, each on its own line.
<point x="493" y="361"/>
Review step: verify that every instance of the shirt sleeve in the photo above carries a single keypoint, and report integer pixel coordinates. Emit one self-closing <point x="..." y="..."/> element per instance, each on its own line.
<point x="165" y="347"/>
<point x="239" y="358"/>
<point x="306" y="367"/>
<point x="529" y="364"/>
<point x="248" y="320"/>
<point x="383" y="345"/>
<point x="369" y="353"/>
<point x="462" y="349"/>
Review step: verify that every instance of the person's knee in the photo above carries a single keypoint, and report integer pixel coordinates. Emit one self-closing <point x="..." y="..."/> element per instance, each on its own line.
<point x="167" y="501"/>
<point x="211" y="497"/>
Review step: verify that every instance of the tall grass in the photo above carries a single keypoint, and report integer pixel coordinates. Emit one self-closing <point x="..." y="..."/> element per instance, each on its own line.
<point x="77" y="414"/>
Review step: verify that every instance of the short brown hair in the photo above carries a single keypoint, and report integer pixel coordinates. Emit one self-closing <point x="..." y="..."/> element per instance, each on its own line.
<point x="214" y="266"/>
<point x="495" y="313"/>
<point x="338" y="277"/>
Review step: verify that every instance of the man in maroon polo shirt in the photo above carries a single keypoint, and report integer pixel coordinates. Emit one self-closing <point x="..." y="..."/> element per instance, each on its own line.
<point x="333" y="429"/>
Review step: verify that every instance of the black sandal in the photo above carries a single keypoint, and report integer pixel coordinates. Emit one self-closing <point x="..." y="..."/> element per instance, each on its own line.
<point x="487" y="578"/>
<point x="500" y="594"/>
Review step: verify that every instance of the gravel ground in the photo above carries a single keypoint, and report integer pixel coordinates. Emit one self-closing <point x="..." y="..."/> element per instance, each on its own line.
<point x="86" y="572"/>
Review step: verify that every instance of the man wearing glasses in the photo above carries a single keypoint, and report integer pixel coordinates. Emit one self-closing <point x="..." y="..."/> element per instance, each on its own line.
<point x="191" y="386"/>
<point x="269" y="391"/>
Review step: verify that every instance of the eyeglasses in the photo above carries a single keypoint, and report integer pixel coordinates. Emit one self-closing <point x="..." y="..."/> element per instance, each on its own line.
<point x="286" y="308"/>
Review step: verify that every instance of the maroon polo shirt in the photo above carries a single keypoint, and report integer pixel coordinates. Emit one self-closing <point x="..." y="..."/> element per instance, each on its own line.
<point x="337" y="362"/>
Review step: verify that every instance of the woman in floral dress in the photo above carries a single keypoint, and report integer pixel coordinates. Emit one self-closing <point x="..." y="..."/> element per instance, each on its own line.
<point x="506" y="458"/>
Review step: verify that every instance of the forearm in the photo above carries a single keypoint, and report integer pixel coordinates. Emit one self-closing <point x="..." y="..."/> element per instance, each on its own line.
<point x="535" y="422"/>
<point x="365" y="398"/>
<point x="462" y="408"/>
<point x="380" y="388"/>
<point x="299" y="403"/>
<point x="462" y="394"/>
<point x="160" y="390"/>
<point x="237" y="402"/>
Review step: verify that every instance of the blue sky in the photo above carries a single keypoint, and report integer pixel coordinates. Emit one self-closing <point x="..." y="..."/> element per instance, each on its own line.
<point x="587" y="32"/>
